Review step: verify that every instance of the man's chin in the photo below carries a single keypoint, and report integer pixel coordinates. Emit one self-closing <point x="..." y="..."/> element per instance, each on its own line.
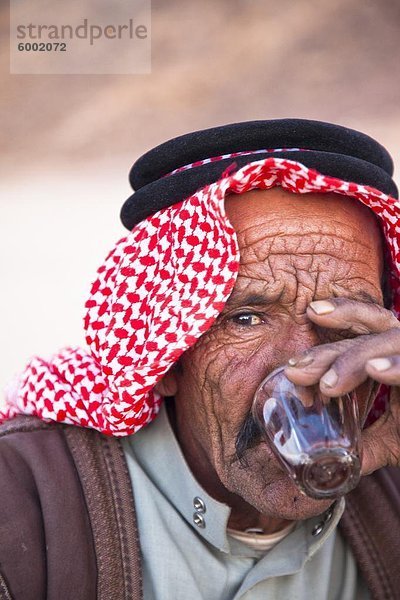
<point x="283" y="499"/>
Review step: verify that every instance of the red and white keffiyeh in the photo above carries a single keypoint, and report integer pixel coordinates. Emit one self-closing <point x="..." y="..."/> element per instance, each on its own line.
<point x="160" y="288"/>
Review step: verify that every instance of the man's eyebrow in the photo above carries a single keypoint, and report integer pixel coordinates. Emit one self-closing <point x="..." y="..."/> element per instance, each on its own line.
<point x="254" y="299"/>
<point x="251" y="299"/>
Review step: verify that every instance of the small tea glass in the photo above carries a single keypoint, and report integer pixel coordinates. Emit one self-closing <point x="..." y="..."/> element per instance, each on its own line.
<point x="317" y="439"/>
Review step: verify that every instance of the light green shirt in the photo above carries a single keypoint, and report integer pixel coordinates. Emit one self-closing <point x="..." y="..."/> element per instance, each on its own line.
<point x="187" y="554"/>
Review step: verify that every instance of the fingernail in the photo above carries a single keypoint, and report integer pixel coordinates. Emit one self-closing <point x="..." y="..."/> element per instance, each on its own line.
<point x="322" y="307"/>
<point x="380" y="364"/>
<point x="300" y="362"/>
<point x="330" y="378"/>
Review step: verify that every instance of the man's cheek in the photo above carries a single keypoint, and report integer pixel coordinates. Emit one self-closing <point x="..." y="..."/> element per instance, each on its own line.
<point x="245" y="369"/>
<point x="210" y="357"/>
<point x="213" y="375"/>
<point x="232" y="371"/>
<point x="225" y="371"/>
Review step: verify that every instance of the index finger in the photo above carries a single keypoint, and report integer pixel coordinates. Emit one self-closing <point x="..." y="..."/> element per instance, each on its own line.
<point x="359" y="318"/>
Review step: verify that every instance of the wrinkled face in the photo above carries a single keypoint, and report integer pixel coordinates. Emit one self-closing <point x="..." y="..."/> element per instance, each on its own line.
<point x="293" y="250"/>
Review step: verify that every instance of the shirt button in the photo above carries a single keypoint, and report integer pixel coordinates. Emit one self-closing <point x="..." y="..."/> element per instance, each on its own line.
<point x="329" y="515"/>
<point x="199" y="520"/>
<point x="199" y="505"/>
<point x="318" y="529"/>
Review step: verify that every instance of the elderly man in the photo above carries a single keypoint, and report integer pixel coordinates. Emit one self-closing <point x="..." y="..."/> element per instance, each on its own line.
<point x="252" y="246"/>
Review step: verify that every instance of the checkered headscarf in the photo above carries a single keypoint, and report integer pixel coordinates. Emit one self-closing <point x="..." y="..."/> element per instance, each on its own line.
<point x="160" y="288"/>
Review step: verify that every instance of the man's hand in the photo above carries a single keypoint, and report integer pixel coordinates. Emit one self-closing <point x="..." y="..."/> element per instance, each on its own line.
<point x="342" y="366"/>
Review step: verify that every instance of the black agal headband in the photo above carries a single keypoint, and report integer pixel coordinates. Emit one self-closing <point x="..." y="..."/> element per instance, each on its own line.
<point x="179" y="167"/>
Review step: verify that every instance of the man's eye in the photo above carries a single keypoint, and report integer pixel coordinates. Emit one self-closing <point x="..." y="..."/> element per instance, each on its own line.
<point x="248" y="319"/>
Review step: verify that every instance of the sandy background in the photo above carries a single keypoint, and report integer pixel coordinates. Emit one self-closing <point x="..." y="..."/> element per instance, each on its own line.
<point x="68" y="141"/>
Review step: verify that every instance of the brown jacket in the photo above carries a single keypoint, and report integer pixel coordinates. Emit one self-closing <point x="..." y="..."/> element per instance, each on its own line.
<point x="68" y="528"/>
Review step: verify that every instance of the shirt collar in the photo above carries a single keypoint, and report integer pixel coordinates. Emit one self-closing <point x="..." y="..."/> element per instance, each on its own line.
<point x="158" y="453"/>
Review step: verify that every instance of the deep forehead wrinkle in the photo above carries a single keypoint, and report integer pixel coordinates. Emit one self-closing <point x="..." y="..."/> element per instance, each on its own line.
<point x="309" y="251"/>
<point x="302" y="234"/>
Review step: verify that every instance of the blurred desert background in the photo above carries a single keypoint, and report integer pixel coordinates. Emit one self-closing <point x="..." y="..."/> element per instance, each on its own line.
<point x="68" y="141"/>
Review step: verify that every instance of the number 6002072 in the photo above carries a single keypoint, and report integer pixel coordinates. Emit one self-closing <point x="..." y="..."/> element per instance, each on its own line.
<point x="42" y="47"/>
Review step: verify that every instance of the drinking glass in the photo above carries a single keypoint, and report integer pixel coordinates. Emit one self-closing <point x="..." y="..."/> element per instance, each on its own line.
<point x="317" y="439"/>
